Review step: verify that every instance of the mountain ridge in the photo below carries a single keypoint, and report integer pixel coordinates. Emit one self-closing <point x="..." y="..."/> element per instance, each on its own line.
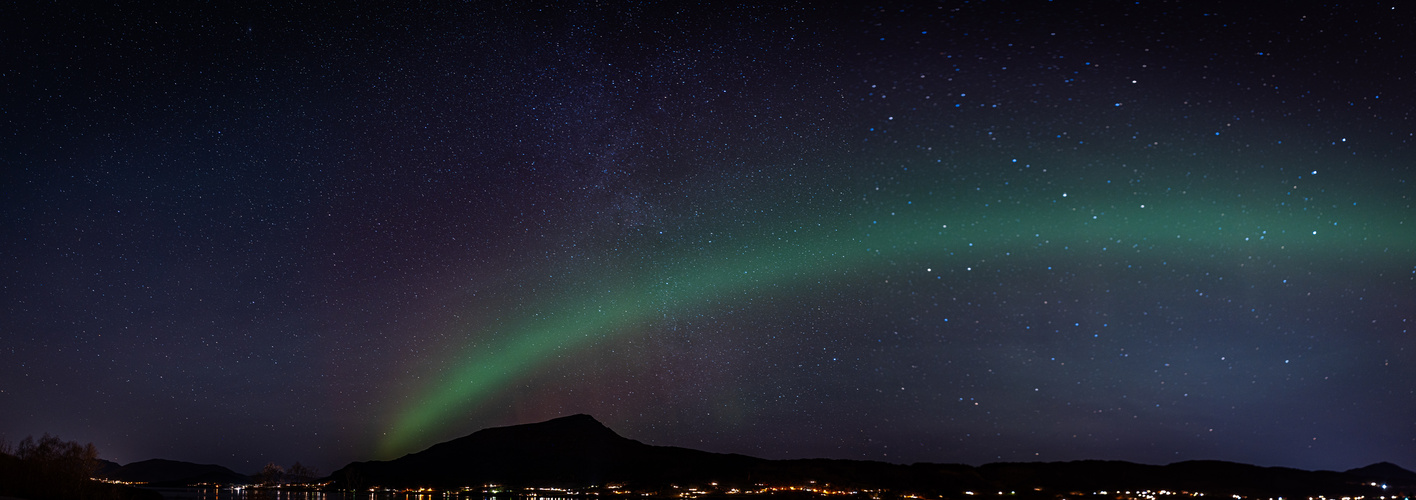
<point x="579" y="451"/>
<point x="163" y="472"/>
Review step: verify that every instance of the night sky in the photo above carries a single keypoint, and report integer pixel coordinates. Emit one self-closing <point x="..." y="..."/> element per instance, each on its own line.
<point x="949" y="232"/>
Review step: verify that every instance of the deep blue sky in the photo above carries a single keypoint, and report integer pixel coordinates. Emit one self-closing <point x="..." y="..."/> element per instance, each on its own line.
<point x="955" y="232"/>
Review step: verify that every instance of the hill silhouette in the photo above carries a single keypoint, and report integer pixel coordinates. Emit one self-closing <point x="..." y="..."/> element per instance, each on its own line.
<point x="579" y="451"/>
<point x="1385" y="472"/>
<point x="159" y="472"/>
<point x="569" y="451"/>
<point x="106" y="466"/>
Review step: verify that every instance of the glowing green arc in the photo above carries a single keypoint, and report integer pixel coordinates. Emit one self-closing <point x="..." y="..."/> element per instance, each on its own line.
<point x="831" y="254"/>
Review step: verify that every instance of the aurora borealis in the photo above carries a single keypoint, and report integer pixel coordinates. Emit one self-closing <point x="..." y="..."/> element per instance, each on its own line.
<point x="914" y="237"/>
<point x="952" y="232"/>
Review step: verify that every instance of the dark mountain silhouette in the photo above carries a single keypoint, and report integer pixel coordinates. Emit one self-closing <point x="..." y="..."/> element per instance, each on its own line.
<point x="1385" y="472"/>
<point x="106" y="466"/>
<point x="159" y="472"/>
<point x="569" y="451"/>
<point x="578" y="451"/>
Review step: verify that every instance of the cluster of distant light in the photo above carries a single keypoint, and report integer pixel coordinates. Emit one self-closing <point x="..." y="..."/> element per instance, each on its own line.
<point x="938" y="234"/>
<point x="620" y="489"/>
<point x="809" y="488"/>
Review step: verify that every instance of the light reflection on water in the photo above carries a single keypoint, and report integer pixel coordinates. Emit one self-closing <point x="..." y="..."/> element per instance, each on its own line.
<point x="264" y="494"/>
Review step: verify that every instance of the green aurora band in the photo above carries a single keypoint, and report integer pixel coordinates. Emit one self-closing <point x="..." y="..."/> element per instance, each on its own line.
<point x="1192" y="230"/>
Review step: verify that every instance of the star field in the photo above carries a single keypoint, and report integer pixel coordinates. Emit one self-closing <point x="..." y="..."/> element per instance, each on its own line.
<point x="957" y="232"/>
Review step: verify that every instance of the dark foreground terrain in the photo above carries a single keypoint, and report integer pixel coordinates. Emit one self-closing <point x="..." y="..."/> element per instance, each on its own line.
<point x="577" y="456"/>
<point x="579" y="452"/>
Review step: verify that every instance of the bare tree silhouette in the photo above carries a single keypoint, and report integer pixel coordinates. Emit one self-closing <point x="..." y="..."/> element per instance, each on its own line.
<point x="271" y="475"/>
<point x="53" y="469"/>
